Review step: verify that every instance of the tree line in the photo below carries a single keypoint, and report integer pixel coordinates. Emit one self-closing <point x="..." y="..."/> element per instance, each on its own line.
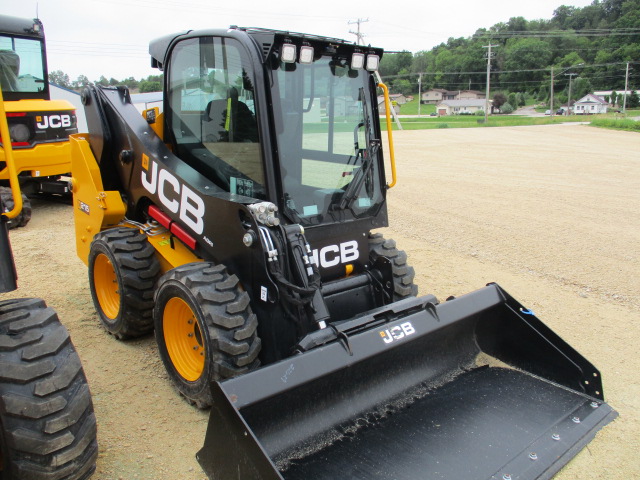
<point x="153" y="83"/>
<point x="589" y="46"/>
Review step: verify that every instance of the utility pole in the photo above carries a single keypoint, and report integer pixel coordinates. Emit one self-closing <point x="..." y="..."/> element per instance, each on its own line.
<point x="419" y="93"/>
<point x="626" y="86"/>
<point x="571" y="75"/>
<point x="486" y="100"/>
<point x="551" y="95"/>
<point x="360" y="36"/>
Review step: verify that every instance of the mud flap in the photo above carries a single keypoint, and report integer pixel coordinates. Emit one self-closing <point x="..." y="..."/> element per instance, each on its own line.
<point x="476" y="388"/>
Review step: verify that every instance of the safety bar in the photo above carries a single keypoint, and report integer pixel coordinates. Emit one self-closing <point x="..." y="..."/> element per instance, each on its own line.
<point x="8" y="155"/>
<point x="392" y="157"/>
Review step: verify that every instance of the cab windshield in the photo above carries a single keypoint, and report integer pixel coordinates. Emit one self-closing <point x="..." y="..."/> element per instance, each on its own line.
<point x="22" y="68"/>
<point x="327" y="144"/>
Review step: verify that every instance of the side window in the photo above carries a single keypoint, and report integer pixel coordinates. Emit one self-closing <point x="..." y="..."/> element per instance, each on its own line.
<point x="212" y="113"/>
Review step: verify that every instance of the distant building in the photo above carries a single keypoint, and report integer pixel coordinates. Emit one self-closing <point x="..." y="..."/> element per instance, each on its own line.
<point x="437" y="95"/>
<point x="460" y="107"/>
<point x="56" y="92"/>
<point x="606" y="94"/>
<point x="142" y="101"/>
<point x="590" y="104"/>
<point x="381" y="107"/>
<point x="433" y="96"/>
<point x="470" y="94"/>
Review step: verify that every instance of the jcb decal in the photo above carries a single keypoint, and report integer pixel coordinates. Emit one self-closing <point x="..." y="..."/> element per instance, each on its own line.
<point x="398" y="332"/>
<point x="53" y="121"/>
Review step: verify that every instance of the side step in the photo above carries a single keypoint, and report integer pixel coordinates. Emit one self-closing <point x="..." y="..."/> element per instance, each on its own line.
<point x="474" y="388"/>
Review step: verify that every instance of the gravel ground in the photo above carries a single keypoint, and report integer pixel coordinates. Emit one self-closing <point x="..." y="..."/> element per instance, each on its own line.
<point x="551" y="213"/>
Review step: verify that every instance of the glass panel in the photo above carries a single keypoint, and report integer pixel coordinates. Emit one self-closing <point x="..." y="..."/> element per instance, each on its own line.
<point x="212" y="113"/>
<point x="21" y="66"/>
<point x="326" y="141"/>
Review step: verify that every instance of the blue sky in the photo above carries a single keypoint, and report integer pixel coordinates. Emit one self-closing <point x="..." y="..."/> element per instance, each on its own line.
<point x="111" y="37"/>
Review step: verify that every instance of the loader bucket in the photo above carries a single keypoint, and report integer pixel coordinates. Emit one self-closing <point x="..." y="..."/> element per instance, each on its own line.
<point x="474" y="388"/>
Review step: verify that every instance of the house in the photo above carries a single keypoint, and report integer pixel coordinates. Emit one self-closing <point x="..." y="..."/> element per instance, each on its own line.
<point x="606" y="94"/>
<point x="471" y="94"/>
<point x="590" y="104"/>
<point x="381" y="108"/>
<point x="433" y="96"/>
<point x="399" y="98"/>
<point x="460" y="107"/>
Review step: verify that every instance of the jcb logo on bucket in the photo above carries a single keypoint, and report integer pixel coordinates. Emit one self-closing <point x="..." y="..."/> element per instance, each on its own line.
<point x="53" y="121"/>
<point x="398" y="332"/>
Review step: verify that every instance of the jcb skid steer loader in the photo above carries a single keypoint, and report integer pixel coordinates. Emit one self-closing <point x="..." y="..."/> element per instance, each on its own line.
<point x="47" y="425"/>
<point x="39" y="127"/>
<point x="237" y="223"/>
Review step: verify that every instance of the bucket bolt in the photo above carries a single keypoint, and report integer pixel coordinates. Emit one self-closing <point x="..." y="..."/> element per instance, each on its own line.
<point x="533" y="456"/>
<point x="555" y="436"/>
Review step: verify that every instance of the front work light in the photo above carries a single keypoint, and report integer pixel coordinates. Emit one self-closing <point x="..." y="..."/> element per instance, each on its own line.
<point x="357" y="61"/>
<point x="288" y="54"/>
<point x="372" y="62"/>
<point x="306" y="54"/>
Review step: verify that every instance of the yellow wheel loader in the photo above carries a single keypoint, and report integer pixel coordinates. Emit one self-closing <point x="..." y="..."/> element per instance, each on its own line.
<point x="47" y="424"/>
<point x="39" y="127"/>
<point x="238" y="224"/>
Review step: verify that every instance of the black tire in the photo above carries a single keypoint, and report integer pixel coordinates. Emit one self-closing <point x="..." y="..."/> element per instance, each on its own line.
<point x="124" y="258"/>
<point x="215" y="338"/>
<point x="403" y="273"/>
<point x="25" y="214"/>
<point x="46" y="412"/>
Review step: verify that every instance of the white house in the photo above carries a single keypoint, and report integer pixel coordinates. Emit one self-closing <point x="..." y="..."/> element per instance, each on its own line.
<point x="460" y="107"/>
<point x="590" y="104"/>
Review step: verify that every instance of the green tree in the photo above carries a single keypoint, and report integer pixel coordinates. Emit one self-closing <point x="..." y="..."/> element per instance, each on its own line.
<point x="506" y="108"/>
<point x="634" y="100"/>
<point x="147" y="86"/>
<point x="499" y="99"/>
<point x="60" y="78"/>
<point x="81" y="82"/>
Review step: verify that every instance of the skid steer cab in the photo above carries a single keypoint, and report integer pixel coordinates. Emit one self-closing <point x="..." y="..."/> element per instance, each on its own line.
<point x="237" y="223"/>
<point x="39" y="127"/>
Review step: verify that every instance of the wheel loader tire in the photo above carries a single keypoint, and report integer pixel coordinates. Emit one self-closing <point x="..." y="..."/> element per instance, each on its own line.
<point x="403" y="274"/>
<point x="48" y="428"/>
<point x="205" y="328"/>
<point x="123" y="270"/>
<point x="25" y="214"/>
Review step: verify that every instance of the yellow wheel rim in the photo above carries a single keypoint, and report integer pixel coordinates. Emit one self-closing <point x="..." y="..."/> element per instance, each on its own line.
<point x="105" y="283"/>
<point x="183" y="339"/>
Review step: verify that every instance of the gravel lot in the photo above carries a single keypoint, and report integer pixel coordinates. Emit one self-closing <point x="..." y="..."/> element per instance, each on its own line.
<point x="551" y="213"/>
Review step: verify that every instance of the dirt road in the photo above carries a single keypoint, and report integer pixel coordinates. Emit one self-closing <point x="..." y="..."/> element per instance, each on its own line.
<point x="551" y="213"/>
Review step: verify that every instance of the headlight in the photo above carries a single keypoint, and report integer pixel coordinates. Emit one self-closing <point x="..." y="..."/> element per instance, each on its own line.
<point x="19" y="133"/>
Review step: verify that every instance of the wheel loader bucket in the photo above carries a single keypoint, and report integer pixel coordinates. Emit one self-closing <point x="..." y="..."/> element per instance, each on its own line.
<point x="474" y="388"/>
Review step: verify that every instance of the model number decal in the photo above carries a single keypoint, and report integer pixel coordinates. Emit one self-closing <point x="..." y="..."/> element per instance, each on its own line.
<point x="83" y="207"/>
<point x="398" y="332"/>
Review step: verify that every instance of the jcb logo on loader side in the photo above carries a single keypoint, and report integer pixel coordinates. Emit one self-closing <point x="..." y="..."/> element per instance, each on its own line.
<point x="53" y="121"/>
<point x="175" y="196"/>
<point x="398" y="332"/>
<point x="332" y="255"/>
